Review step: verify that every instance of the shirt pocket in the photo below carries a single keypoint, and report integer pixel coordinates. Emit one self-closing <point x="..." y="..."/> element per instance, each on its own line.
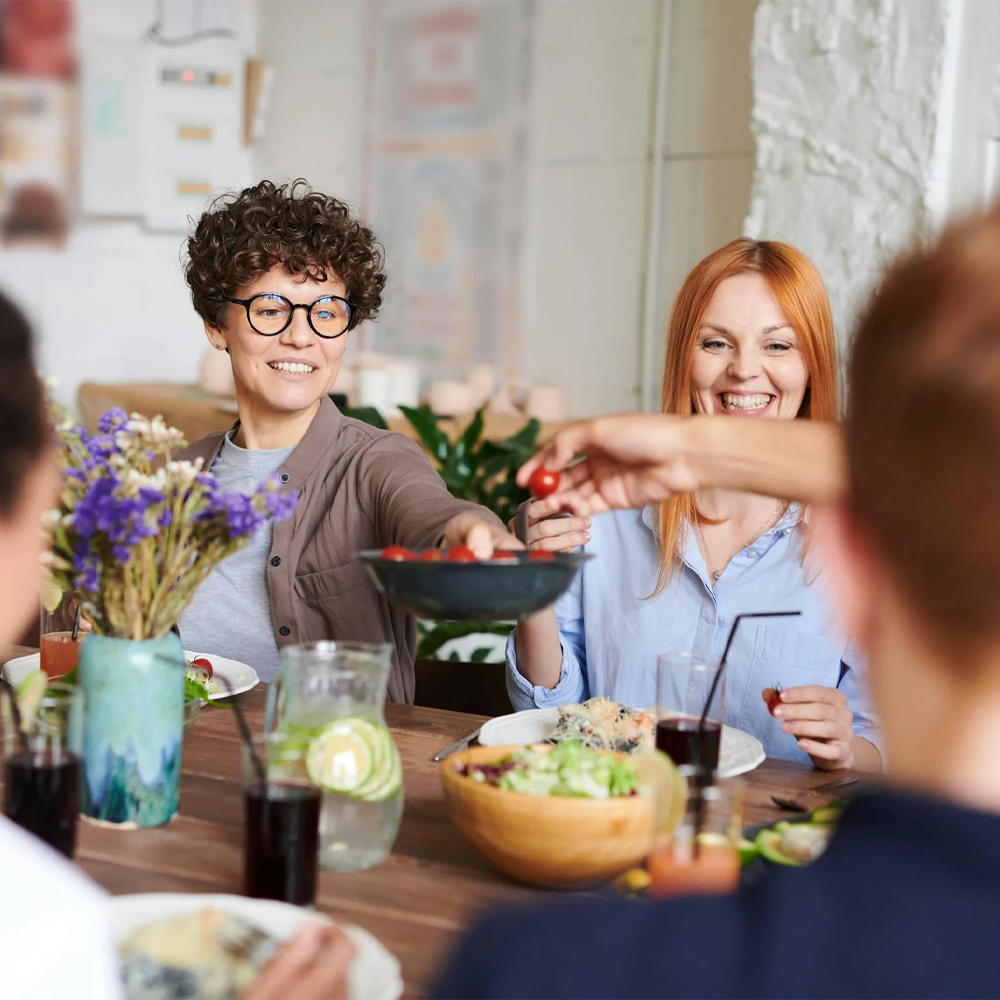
<point x="791" y="659"/>
<point x="316" y="588"/>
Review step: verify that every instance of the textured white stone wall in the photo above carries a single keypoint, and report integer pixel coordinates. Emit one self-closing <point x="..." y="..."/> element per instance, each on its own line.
<point x="852" y="111"/>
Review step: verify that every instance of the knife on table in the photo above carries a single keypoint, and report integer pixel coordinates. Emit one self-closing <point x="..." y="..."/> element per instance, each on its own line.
<point x="462" y="744"/>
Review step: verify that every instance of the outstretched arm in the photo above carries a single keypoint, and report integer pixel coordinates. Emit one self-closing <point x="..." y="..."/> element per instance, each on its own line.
<point x="634" y="459"/>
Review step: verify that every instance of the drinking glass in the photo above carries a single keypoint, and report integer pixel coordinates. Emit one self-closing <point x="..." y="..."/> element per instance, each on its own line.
<point x="281" y="821"/>
<point x="325" y="682"/>
<point x="41" y="769"/>
<point x="683" y="683"/>
<point x="57" y="622"/>
<point x="684" y="862"/>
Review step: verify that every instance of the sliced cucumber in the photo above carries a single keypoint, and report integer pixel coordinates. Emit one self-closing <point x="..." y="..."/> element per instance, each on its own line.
<point x="341" y="758"/>
<point x="768" y="844"/>
<point x="825" y="815"/>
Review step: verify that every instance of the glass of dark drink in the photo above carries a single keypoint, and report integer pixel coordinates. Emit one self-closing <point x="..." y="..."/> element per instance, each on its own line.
<point x="281" y="821"/>
<point x="41" y="766"/>
<point x="684" y="683"/>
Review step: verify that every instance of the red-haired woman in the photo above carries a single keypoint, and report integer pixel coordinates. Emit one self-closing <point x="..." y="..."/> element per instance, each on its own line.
<point x="751" y="336"/>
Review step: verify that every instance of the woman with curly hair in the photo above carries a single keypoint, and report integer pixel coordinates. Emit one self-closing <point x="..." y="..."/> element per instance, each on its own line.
<point x="280" y="275"/>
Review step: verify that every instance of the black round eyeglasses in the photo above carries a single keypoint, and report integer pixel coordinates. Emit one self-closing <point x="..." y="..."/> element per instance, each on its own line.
<point x="270" y="314"/>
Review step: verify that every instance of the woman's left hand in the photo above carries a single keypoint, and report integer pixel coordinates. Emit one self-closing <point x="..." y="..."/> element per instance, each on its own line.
<point x="820" y="720"/>
<point x="483" y="537"/>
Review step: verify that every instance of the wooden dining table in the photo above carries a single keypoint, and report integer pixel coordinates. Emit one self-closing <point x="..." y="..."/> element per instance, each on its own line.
<point x="417" y="903"/>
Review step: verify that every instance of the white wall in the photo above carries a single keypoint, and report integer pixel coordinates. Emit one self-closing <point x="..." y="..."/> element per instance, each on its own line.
<point x="113" y="305"/>
<point x="852" y="114"/>
<point x="710" y="151"/>
<point x="590" y="146"/>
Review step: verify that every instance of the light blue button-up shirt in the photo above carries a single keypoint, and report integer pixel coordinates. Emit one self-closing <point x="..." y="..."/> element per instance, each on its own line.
<point x="612" y="631"/>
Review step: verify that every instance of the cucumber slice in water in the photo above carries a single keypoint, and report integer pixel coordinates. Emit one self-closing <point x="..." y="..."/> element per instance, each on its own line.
<point x="340" y="758"/>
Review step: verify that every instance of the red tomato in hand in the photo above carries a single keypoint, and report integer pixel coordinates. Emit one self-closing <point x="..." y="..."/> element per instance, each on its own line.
<point x="774" y="699"/>
<point x="504" y="555"/>
<point x="396" y="553"/>
<point x="431" y="555"/>
<point x="461" y="553"/>
<point x="541" y="555"/>
<point x="202" y="664"/>
<point x="543" y="482"/>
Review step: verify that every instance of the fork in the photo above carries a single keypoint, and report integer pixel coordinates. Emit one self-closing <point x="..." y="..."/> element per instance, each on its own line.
<point x="797" y="805"/>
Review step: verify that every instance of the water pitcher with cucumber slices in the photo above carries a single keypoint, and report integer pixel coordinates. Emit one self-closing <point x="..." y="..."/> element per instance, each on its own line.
<point x="329" y="699"/>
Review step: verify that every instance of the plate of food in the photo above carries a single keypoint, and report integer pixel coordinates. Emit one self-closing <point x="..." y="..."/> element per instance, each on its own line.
<point x="188" y="945"/>
<point x="606" y="725"/>
<point x="456" y="586"/>
<point x="203" y="668"/>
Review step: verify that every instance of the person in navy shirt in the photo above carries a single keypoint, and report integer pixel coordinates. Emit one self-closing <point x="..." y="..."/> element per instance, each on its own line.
<point x="905" y="902"/>
<point x="750" y="337"/>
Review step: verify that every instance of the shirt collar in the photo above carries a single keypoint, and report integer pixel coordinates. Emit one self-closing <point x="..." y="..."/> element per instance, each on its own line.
<point x="796" y="513"/>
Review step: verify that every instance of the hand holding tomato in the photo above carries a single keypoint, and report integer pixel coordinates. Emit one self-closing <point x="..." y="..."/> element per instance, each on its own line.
<point x="819" y="719"/>
<point x="476" y="533"/>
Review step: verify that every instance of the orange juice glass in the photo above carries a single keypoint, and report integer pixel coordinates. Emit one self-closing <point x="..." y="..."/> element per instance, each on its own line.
<point x="59" y="650"/>
<point x="683" y="865"/>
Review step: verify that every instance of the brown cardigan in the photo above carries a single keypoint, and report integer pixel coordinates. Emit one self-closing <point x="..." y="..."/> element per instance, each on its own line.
<point x="359" y="488"/>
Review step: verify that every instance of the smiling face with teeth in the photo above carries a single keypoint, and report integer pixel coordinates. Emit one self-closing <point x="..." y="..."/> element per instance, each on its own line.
<point x="746" y="357"/>
<point x="280" y="380"/>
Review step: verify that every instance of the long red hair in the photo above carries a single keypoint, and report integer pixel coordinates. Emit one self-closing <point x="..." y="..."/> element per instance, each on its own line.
<point x="801" y="294"/>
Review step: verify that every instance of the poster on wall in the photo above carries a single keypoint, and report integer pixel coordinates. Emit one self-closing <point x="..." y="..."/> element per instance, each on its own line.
<point x="37" y="69"/>
<point x="445" y="148"/>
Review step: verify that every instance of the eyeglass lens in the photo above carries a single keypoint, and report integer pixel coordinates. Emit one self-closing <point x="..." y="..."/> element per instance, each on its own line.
<point x="270" y="314"/>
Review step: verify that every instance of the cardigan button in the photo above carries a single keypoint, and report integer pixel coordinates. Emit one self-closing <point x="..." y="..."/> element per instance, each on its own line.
<point x="284" y="477"/>
<point x="276" y="560"/>
<point x="285" y="630"/>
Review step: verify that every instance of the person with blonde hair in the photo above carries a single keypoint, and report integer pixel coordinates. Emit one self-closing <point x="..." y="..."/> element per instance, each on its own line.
<point x="750" y="337"/>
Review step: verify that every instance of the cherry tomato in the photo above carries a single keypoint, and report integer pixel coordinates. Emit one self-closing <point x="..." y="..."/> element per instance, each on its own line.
<point x="397" y="554"/>
<point x="774" y="699"/>
<point x="202" y="664"/>
<point x="504" y="555"/>
<point x="543" y="482"/>
<point x="461" y="553"/>
<point x="431" y="555"/>
<point x="541" y="555"/>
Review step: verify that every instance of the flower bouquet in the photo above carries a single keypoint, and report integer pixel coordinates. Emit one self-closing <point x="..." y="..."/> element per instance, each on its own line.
<point x="135" y="542"/>
<point x="133" y="536"/>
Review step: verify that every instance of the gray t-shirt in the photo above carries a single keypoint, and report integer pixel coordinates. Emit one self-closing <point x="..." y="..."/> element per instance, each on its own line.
<point x="230" y="614"/>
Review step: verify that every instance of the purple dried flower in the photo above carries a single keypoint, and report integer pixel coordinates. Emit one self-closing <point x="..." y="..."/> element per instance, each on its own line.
<point x="281" y="505"/>
<point x="115" y="419"/>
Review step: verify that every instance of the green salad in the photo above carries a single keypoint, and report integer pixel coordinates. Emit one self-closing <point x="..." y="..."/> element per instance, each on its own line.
<point x="569" y="769"/>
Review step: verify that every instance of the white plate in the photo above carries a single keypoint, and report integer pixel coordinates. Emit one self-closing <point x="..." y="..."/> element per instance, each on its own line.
<point x="374" y="973"/>
<point x="740" y="752"/>
<point x="240" y="676"/>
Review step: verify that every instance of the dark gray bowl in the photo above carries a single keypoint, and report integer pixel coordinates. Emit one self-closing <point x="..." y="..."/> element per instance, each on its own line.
<point x="474" y="591"/>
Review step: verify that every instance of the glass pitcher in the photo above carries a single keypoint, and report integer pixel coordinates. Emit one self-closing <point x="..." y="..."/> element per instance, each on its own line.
<point x="330" y="696"/>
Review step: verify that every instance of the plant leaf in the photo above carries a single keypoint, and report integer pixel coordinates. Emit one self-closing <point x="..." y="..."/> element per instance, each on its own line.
<point x="367" y="415"/>
<point x="425" y="424"/>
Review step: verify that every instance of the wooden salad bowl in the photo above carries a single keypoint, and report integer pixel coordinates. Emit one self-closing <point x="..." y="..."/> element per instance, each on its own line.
<point x="551" y="841"/>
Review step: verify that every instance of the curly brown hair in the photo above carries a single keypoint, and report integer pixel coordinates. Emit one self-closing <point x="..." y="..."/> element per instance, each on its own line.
<point x="242" y="236"/>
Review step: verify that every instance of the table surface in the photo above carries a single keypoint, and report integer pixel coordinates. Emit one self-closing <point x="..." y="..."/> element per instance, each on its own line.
<point x="416" y="903"/>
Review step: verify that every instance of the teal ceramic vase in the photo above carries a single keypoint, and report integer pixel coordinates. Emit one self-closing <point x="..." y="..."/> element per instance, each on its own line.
<point x="133" y="729"/>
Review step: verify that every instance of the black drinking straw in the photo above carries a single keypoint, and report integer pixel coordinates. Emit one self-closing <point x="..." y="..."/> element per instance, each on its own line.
<point x="12" y="694"/>
<point x="244" y="729"/>
<point x="707" y="773"/>
<point x="76" y="621"/>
